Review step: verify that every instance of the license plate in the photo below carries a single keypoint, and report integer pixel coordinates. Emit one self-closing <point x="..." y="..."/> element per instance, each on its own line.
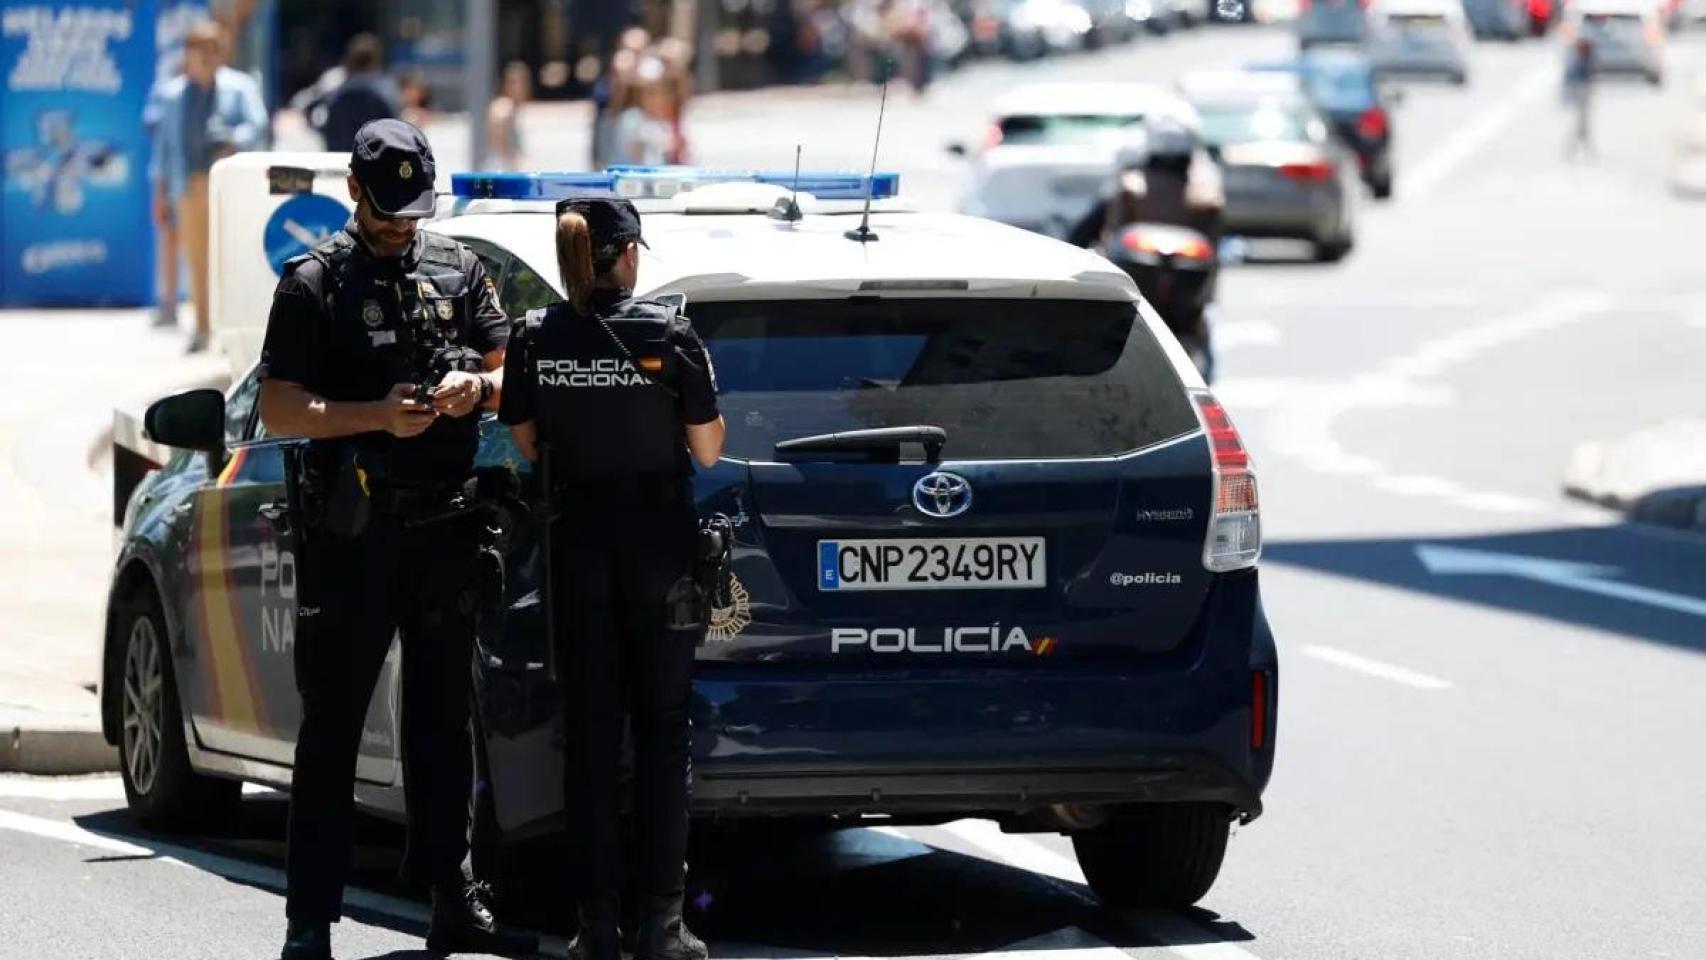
<point x="982" y="563"/>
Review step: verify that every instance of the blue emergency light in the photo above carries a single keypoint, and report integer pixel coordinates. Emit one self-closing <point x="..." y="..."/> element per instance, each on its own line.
<point x="659" y="183"/>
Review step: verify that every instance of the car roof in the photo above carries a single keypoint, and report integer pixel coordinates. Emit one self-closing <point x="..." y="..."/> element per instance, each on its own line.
<point x="1451" y="9"/>
<point x="1099" y="99"/>
<point x="742" y="256"/>
<point x="1240" y="88"/>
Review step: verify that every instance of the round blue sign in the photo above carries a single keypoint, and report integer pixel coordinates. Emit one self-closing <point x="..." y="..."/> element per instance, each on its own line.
<point x="299" y="224"/>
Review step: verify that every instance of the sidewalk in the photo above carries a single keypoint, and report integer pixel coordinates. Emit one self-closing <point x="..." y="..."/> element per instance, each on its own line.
<point x="56" y="534"/>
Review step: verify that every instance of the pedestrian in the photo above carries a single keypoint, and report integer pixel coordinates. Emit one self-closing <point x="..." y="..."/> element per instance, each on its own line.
<point x="1578" y="97"/>
<point x="643" y="133"/>
<point x="207" y="113"/>
<point x="503" y="116"/>
<point x="165" y="228"/>
<point x="417" y="99"/>
<point x="617" y="446"/>
<point x="364" y="95"/>
<point x="357" y="323"/>
<point x="676" y="56"/>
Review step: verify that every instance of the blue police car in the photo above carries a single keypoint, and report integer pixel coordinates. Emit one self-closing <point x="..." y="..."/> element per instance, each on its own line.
<point x="996" y="546"/>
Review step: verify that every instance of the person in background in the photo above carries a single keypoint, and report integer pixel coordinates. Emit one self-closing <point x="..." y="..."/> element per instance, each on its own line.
<point x="165" y="228"/>
<point x="207" y="113"/>
<point x="1578" y="97"/>
<point x="503" y="116"/>
<point x="365" y="94"/>
<point x="643" y="133"/>
<point x="676" y="55"/>
<point x="417" y="98"/>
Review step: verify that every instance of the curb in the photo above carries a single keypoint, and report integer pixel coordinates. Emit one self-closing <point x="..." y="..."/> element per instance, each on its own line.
<point x="56" y="751"/>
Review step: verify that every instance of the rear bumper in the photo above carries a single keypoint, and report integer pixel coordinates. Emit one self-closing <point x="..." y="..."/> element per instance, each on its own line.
<point x="1304" y="214"/>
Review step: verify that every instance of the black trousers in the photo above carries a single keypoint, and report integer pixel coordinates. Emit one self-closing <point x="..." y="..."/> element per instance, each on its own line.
<point x="390" y="578"/>
<point x="619" y="662"/>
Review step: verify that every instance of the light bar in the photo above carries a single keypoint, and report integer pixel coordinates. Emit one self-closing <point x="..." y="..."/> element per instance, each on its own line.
<point x="661" y="183"/>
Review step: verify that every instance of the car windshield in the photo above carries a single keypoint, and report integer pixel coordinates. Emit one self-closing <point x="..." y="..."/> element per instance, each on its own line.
<point x="1223" y="125"/>
<point x="1007" y="379"/>
<point x="1346" y="86"/>
<point x="1061" y="128"/>
<point x="1611" y="24"/>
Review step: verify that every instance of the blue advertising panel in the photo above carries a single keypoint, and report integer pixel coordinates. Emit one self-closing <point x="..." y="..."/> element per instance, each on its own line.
<point x="298" y="226"/>
<point x="75" y="225"/>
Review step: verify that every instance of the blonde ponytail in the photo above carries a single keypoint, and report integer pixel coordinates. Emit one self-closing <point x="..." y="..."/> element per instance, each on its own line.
<point x="574" y="258"/>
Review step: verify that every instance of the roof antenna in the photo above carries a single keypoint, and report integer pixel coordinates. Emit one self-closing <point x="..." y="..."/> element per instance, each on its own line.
<point x="863" y="234"/>
<point x="789" y="209"/>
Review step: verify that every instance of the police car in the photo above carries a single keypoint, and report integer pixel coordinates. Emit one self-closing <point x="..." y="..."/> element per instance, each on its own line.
<point x="996" y="546"/>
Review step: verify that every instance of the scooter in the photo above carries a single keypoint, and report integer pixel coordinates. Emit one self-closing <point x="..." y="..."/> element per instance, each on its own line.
<point x="1175" y="267"/>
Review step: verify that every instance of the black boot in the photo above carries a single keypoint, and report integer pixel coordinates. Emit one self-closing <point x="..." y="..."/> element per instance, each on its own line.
<point x="307" y="941"/>
<point x="664" y="935"/>
<point x="599" y="938"/>
<point x="462" y="923"/>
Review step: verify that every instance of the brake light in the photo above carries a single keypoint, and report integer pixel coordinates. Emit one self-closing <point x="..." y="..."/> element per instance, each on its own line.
<point x="1190" y="248"/>
<point x="1235" y="527"/>
<point x="1372" y="124"/>
<point x="1138" y="242"/>
<point x="992" y="137"/>
<point x="1318" y="172"/>
<point x="1258" y="710"/>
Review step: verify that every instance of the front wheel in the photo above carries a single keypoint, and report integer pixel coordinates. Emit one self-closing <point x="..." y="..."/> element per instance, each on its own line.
<point x="1155" y="855"/>
<point x="160" y="786"/>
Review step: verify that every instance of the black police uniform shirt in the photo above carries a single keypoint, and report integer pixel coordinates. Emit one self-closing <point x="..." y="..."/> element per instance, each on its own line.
<point x="602" y="415"/>
<point x="356" y="337"/>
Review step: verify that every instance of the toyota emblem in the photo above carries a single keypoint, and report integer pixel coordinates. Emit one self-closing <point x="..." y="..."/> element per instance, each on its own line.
<point x="942" y="495"/>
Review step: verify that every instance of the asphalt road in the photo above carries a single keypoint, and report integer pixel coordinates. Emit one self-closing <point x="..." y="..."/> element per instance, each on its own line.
<point x="1490" y="730"/>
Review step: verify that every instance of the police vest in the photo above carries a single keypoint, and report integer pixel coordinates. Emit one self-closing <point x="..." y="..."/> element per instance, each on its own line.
<point x="391" y="324"/>
<point x="605" y="383"/>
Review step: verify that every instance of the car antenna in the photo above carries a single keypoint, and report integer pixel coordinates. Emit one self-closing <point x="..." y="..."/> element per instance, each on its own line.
<point x="863" y="233"/>
<point x="789" y="209"/>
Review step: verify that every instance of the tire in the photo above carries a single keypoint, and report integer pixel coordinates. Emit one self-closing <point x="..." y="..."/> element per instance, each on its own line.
<point x="1332" y="251"/>
<point x="161" y="788"/>
<point x="1157" y="855"/>
<point x="1381" y="187"/>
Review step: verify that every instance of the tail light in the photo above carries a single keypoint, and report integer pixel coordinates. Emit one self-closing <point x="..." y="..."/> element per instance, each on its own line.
<point x="1192" y="248"/>
<point x="1234" y="539"/>
<point x="1372" y="124"/>
<point x="992" y="136"/>
<point x="1259" y="710"/>
<point x="1652" y="33"/>
<point x="1318" y="172"/>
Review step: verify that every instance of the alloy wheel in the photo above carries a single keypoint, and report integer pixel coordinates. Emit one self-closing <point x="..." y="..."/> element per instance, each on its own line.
<point x="144" y="705"/>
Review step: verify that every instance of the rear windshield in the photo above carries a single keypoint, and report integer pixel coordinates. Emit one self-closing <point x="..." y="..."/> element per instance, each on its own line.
<point x="1245" y="124"/>
<point x="1007" y="379"/>
<point x="1023" y="129"/>
<point x="1333" y="21"/>
<point x="1340" y="86"/>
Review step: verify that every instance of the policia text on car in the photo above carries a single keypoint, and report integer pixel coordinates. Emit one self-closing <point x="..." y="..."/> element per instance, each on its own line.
<point x="382" y="343"/>
<point x="610" y="394"/>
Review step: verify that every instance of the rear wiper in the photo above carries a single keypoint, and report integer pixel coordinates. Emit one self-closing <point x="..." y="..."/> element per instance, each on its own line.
<point x="876" y="440"/>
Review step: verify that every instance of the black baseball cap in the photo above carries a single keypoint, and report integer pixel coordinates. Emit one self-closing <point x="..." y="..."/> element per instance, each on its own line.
<point x="612" y="222"/>
<point x="393" y="163"/>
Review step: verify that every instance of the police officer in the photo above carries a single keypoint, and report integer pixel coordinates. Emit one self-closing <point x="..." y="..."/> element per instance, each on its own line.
<point x="617" y="393"/>
<point x="357" y="326"/>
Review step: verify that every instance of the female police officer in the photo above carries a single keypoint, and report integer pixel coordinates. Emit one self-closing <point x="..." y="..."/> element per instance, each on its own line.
<point x="615" y="392"/>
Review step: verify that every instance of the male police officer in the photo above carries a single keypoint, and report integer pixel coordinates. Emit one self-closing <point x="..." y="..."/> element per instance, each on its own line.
<point x="358" y="325"/>
<point x="614" y="393"/>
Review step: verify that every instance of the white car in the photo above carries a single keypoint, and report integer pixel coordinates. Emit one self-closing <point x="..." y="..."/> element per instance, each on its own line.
<point x="1627" y="36"/>
<point x="1049" y="151"/>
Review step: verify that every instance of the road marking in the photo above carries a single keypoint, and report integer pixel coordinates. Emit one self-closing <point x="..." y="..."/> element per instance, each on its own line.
<point x="26" y="787"/>
<point x="229" y="868"/>
<point x="1475" y="135"/>
<point x="1571" y="575"/>
<point x="1179" y="935"/>
<point x="1375" y="668"/>
<point x="1245" y="333"/>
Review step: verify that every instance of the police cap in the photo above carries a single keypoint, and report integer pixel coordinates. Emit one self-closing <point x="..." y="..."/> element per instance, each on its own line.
<point x="612" y="222"/>
<point x="393" y="163"/>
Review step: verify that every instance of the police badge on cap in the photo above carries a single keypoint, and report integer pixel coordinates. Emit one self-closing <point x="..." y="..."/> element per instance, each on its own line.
<point x="393" y="163"/>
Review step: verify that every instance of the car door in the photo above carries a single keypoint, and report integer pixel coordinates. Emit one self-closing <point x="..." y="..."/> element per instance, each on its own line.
<point x="245" y="572"/>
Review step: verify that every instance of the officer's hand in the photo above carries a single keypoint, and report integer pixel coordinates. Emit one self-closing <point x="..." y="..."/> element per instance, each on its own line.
<point x="456" y="394"/>
<point x="402" y="415"/>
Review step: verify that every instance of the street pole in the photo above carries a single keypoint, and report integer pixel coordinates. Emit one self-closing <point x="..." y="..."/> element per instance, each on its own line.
<point x="481" y="56"/>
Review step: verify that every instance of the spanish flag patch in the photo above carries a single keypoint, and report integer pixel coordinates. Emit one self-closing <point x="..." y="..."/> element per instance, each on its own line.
<point x="650" y="364"/>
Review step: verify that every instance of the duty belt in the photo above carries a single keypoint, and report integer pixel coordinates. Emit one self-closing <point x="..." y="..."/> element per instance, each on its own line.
<point x="408" y="502"/>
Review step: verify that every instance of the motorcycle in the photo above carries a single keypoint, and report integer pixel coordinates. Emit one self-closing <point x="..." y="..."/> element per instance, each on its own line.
<point x="1175" y="268"/>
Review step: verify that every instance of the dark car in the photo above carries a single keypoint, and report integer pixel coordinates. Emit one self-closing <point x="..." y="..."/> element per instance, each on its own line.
<point x="1344" y="86"/>
<point x="995" y="553"/>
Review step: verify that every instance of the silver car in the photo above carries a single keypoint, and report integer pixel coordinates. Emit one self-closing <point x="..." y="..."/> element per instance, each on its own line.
<point x="1627" y="38"/>
<point x="1422" y="38"/>
<point x="1284" y="174"/>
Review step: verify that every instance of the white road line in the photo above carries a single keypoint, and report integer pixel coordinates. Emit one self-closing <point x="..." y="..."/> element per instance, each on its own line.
<point x="1375" y="668"/>
<point x="1245" y="333"/>
<point x="1473" y="136"/>
<point x="25" y="787"/>
<point x="1180" y="936"/>
<point x="228" y="867"/>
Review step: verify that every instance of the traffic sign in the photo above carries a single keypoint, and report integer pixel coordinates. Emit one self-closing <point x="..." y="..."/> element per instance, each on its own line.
<point x="299" y="224"/>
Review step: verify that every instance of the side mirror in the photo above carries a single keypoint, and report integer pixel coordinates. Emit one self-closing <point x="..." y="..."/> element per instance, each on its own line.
<point x="193" y="420"/>
<point x="956" y="149"/>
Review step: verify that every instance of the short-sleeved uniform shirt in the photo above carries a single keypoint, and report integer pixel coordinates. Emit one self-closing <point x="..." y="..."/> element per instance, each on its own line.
<point x="349" y="338"/>
<point x="604" y="416"/>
